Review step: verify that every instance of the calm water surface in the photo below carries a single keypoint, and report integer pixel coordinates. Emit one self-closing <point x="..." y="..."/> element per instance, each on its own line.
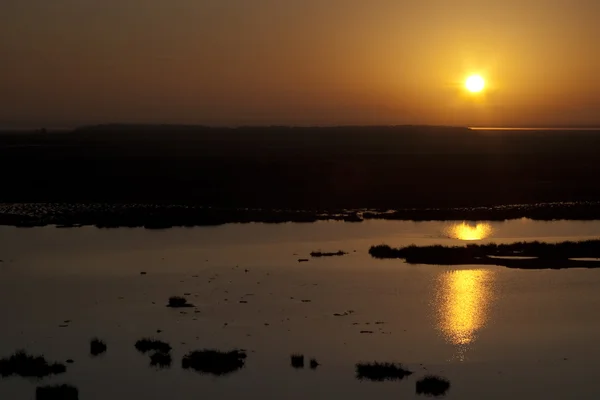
<point x="493" y="332"/>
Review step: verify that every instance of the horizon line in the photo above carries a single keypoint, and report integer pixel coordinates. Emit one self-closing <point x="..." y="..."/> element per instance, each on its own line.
<point x="135" y="124"/>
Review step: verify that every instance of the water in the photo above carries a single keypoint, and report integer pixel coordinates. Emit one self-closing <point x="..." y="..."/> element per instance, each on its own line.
<point x="493" y="332"/>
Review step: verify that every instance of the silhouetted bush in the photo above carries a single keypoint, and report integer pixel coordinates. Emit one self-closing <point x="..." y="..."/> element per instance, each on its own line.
<point x="314" y="363"/>
<point x="25" y="365"/>
<point x="381" y="371"/>
<point x="297" y="360"/>
<point x="97" y="347"/>
<point x="178" y="302"/>
<point x="159" y="359"/>
<point x="146" y="345"/>
<point x="58" y="392"/>
<point x="325" y="254"/>
<point x="432" y="386"/>
<point x="214" y="362"/>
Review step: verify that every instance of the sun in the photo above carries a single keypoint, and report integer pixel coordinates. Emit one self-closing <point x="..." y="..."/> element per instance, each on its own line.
<point x="475" y="83"/>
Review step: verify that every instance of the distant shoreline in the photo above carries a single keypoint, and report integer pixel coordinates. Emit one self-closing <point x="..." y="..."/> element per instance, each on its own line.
<point x="164" y="216"/>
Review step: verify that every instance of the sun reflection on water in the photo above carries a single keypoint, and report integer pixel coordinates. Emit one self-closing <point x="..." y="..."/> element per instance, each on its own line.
<point x="466" y="231"/>
<point x="464" y="297"/>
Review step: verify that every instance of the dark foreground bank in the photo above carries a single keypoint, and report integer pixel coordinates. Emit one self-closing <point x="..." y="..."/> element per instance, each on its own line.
<point x="300" y="168"/>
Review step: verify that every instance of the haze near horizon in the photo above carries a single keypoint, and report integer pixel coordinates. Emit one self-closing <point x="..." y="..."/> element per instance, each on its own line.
<point x="299" y="62"/>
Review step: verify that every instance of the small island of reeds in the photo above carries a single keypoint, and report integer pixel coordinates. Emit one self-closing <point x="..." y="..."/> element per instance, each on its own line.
<point x="524" y="255"/>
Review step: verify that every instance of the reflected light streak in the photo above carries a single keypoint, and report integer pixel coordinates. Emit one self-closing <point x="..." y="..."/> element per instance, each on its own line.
<point x="463" y="302"/>
<point x="466" y="231"/>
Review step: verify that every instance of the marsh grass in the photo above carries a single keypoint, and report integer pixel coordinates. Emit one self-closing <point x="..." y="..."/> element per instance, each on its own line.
<point x="161" y="360"/>
<point x="25" y="365"/>
<point x="214" y="362"/>
<point x="380" y="372"/>
<point x="542" y="255"/>
<point x="432" y="386"/>
<point x="57" y="392"/>
<point x="97" y="347"/>
<point x="178" y="302"/>
<point x="145" y="345"/>
<point x="328" y="254"/>
<point x="297" y="361"/>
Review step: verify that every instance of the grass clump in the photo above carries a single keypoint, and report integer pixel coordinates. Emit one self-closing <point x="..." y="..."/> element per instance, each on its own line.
<point x="97" y="347"/>
<point x="161" y="360"/>
<point x="178" y="302"/>
<point x="25" y="365"/>
<point x="384" y="251"/>
<point x="160" y="357"/>
<point x="327" y="254"/>
<point x="58" y="392"/>
<point x="214" y="362"/>
<point x="146" y="345"/>
<point x="432" y="386"/>
<point x="380" y="372"/>
<point x="297" y="360"/>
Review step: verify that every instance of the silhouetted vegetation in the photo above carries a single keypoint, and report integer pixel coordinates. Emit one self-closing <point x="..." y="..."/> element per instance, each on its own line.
<point x="159" y="359"/>
<point x="245" y="174"/>
<point x="381" y="371"/>
<point x="105" y="215"/>
<point x="97" y="347"/>
<point x="325" y="254"/>
<point x="214" y="362"/>
<point x="58" y="392"/>
<point x="178" y="302"/>
<point x="344" y="314"/>
<point x="25" y="365"/>
<point x="146" y="345"/>
<point x="432" y="386"/>
<point x="314" y="363"/>
<point x="160" y="356"/>
<point x="545" y="255"/>
<point x="297" y="360"/>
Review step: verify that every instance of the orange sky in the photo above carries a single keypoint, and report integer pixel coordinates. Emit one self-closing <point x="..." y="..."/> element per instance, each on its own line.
<point x="308" y="62"/>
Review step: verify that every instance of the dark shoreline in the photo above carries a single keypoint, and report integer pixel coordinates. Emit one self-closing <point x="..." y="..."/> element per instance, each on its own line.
<point x="161" y="216"/>
<point x="318" y="169"/>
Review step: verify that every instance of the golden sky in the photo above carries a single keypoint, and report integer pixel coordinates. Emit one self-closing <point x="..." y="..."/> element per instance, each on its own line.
<point x="307" y="62"/>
